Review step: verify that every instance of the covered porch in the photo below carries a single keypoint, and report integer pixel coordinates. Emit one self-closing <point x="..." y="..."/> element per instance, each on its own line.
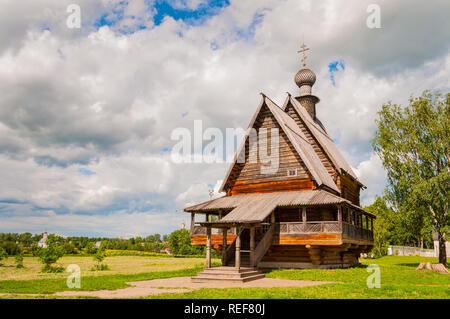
<point x="243" y="234"/>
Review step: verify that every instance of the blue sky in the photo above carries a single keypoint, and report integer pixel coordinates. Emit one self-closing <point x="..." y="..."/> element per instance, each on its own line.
<point x="162" y="9"/>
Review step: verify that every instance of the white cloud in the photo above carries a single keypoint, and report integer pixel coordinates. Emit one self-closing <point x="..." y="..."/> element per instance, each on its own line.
<point x="106" y="101"/>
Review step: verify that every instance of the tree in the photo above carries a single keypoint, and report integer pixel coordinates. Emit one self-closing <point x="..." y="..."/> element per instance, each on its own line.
<point x="180" y="243"/>
<point x="413" y="144"/>
<point x="19" y="260"/>
<point x="3" y="254"/>
<point x="382" y="226"/>
<point x="99" y="257"/>
<point x="49" y="256"/>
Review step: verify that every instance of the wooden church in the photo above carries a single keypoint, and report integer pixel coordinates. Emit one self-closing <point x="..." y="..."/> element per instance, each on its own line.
<point x="306" y="214"/>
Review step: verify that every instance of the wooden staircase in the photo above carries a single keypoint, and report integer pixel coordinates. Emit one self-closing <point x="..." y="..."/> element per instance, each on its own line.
<point x="228" y="274"/>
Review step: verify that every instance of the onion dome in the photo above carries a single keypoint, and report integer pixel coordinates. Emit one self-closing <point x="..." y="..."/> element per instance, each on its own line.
<point x="305" y="77"/>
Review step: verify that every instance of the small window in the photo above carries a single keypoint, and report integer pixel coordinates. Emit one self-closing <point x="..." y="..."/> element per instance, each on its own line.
<point x="292" y="172"/>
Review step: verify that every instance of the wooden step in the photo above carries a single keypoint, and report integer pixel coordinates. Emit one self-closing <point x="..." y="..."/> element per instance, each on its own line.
<point x="227" y="274"/>
<point x="199" y="279"/>
<point x="231" y="274"/>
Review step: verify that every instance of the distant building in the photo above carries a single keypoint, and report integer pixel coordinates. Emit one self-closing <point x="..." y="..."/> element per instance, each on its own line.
<point x="97" y="244"/>
<point x="43" y="242"/>
<point x="183" y="225"/>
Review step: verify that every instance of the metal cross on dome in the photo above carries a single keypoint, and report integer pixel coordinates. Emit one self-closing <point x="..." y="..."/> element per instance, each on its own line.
<point x="304" y="48"/>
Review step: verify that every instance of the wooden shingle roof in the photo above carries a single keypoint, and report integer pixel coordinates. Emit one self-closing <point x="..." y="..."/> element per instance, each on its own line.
<point x="323" y="138"/>
<point x="299" y="142"/>
<point x="253" y="208"/>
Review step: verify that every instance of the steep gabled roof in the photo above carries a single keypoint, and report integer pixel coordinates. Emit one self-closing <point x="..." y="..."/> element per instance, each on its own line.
<point x="322" y="137"/>
<point x="299" y="142"/>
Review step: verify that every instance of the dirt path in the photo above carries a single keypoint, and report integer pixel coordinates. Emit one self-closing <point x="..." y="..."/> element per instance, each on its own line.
<point x="184" y="284"/>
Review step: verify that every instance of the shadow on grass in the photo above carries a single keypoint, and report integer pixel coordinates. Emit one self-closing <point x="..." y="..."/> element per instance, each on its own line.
<point x="415" y="265"/>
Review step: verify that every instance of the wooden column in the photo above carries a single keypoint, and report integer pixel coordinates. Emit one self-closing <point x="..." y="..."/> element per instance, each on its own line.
<point x="220" y="214"/>
<point x="207" y="217"/>
<point x="304" y="215"/>
<point x="224" y="246"/>
<point x="237" y="260"/>
<point x="339" y="213"/>
<point x="192" y="223"/>
<point x="208" y="247"/>
<point x="252" y="247"/>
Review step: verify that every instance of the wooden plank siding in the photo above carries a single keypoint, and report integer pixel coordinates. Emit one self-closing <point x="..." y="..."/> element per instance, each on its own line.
<point x="247" y="178"/>
<point x="349" y="188"/>
<point x="245" y="187"/>
<point x="311" y="239"/>
<point x="215" y="240"/>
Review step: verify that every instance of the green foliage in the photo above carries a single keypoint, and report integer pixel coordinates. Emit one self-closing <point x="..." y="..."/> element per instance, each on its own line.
<point x="3" y="254"/>
<point x="91" y="249"/>
<point x="52" y="269"/>
<point x="180" y="243"/>
<point x="382" y="226"/>
<point x="99" y="257"/>
<point x="100" y="267"/>
<point x="49" y="256"/>
<point x="413" y="143"/>
<point x="19" y="260"/>
<point x="10" y="247"/>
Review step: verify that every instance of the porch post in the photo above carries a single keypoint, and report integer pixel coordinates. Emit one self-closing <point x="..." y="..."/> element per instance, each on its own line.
<point x="192" y="223"/>
<point x="220" y="214"/>
<point x="224" y="246"/>
<point x="339" y="217"/>
<point x="237" y="260"/>
<point x="208" y="247"/>
<point x="252" y="247"/>
<point x="207" y="217"/>
<point x="304" y="215"/>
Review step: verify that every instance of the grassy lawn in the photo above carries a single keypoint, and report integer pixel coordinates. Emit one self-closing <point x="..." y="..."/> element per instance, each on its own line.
<point x="399" y="279"/>
<point x="30" y="280"/>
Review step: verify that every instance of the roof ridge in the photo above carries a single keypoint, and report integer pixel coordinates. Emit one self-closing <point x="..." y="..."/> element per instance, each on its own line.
<point x="334" y="155"/>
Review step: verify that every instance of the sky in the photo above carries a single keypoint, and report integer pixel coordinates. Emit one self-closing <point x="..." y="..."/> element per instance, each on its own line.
<point x="86" y="114"/>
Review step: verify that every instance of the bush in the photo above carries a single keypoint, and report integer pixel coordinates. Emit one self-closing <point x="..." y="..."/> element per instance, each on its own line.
<point x="19" y="260"/>
<point x="52" y="269"/>
<point x="99" y="257"/>
<point x="100" y="267"/>
<point x="49" y="256"/>
<point x="180" y="243"/>
<point x="91" y="249"/>
<point x="10" y="247"/>
<point x="3" y="254"/>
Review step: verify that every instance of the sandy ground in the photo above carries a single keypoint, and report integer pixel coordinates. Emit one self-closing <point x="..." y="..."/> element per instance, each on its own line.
<point x="184" y="284"/>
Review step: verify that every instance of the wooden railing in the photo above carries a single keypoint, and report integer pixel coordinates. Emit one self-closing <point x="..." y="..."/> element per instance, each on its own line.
<point x="309" y="227"/>
<point x="201" y="231"/>
<point x="264" y="244"/>
<point x="353" y="232"/>
<point x="324" y="227"/>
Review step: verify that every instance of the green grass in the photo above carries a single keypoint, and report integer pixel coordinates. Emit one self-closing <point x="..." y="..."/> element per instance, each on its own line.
<point x="399" y="279"/>
<point x="48" y="286"/>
